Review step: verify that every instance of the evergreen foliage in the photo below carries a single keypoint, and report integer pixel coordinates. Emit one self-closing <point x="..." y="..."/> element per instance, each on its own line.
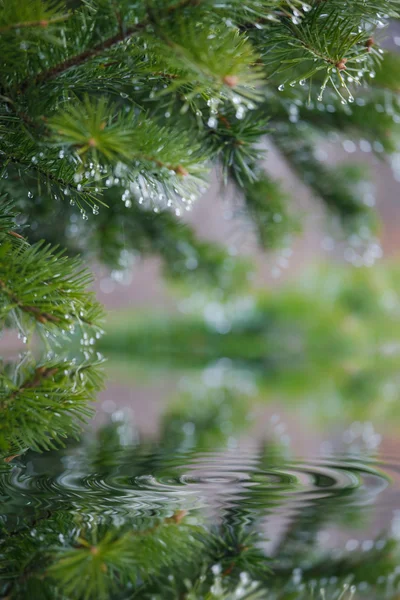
<point x="42" y="291"/>
<point x="43" y="402"/>
<point x="120" y="109"/>
<point x="127" y="105"/>
<point x="112" y="115"/>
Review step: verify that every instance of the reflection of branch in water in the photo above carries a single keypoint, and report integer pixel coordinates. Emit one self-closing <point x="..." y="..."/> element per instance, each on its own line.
<point x="330" y="338"/>
<point x="96" y="500"/>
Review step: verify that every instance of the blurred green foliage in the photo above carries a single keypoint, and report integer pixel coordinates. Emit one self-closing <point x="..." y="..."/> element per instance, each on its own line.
<point x="331" y="338"/>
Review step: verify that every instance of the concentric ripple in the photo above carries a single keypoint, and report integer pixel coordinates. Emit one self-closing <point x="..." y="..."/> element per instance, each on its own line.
<point x="253" y="483"/>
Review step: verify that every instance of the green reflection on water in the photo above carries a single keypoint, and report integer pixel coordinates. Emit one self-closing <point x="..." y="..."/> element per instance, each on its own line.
<point x="196" y="515"/>
<point x="112" y="519"/>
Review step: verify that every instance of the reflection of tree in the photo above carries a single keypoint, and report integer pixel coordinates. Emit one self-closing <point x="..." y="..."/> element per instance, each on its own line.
<point x="334" y="336"/>
<point x="108" y="519"/>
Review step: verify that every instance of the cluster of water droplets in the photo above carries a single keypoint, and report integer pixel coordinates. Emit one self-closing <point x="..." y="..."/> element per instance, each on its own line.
<point x="356" y="71"/>
<point x="139" y="185"/>
<point x="213" y="104"/>
<point x="244" y="589"/>
<point x="85" y="183"/>
<point x="168" y="192"/>
<point x="328" y="588"/>
<point x="241" y="105"/>
<point x="21" y="336"/>
<point x="298" y="13"/>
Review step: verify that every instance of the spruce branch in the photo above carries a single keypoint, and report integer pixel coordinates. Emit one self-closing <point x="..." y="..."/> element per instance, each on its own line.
<point x="40" y="288"/>
<point x="42" y="317"/>
<point x="124" y="33"/>
<point x="79" y="59"/>
<point x="22" y="159"/>
<point x="43" y="403"/>
<point x="322" y="42"/>
<point x="173" y="87"/>
<point x="98" y="127"/>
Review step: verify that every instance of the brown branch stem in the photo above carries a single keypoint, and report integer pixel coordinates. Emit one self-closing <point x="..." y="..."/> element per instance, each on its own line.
<point x="39" y="315"/>
<point x="79" y="59"/>
<point x="40" y="375"/>
<point x="46" y="174"/>
<point x="28" y="24"/>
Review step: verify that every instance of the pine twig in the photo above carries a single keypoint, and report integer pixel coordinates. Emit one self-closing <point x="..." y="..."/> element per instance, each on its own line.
<point x="79" y="59"/>
<point x="41" y="316"/>
<point x="32" y="24"/>
<point x="40" y="375"/>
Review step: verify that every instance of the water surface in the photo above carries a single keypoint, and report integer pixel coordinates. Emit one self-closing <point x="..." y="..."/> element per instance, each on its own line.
<point x="228" y="494"/>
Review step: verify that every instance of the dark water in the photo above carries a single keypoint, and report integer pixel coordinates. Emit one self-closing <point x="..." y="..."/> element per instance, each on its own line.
<point x="224" y="495"/>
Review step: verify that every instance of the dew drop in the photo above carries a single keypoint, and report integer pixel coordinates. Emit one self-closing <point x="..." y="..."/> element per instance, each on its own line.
<point x="281" y="87"/>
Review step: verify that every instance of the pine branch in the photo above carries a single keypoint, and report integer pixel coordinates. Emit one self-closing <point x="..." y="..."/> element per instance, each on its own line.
<point x="42" y="317"/>
<point x="43" y="403"/>
<point x="40" y="288"/>
<point x="74" y="61"/>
